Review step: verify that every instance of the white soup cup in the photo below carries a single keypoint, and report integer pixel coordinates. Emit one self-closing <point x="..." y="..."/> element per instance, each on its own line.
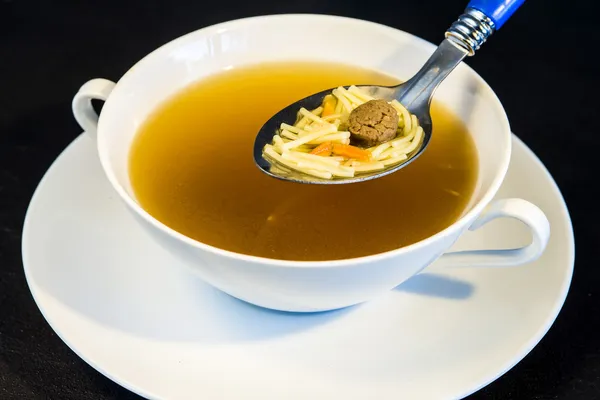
<point x="295" y="285"/>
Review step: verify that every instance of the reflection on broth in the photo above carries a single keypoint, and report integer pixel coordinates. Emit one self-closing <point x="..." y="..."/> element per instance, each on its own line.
<point x="192" y="168"/>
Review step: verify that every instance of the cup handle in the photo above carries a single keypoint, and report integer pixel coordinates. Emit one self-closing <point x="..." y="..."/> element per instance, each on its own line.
<point x="519" y="209"/>
<point x="85" y="115"/>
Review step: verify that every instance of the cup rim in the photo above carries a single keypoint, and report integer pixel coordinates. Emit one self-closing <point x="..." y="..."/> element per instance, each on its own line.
<point x="475" y="210"/>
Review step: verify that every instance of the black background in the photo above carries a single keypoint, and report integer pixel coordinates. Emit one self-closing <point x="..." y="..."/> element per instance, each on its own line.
<point x="543" y="65"/>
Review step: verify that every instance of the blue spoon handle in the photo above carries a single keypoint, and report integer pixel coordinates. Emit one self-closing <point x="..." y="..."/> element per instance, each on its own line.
<point x="499" y="11"/>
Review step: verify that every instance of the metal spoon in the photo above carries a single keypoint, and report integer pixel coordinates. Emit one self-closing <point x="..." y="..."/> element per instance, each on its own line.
<point x="480" y="19"/>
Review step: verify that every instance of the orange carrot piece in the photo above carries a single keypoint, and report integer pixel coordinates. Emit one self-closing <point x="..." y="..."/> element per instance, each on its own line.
<point x="324" y="149"/>
<point x="349" y="151"/>
<point x="329" y="103"/>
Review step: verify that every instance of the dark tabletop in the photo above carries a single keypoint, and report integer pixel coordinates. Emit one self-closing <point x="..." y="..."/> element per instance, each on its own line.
<point x="542" y="64"/>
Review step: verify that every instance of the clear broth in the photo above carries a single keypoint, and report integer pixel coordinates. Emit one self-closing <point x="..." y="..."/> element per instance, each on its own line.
<point x="191" y="168"/>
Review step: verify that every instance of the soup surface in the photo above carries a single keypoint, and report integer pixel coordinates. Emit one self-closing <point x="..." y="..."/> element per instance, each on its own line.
<point x="191" y="167"/>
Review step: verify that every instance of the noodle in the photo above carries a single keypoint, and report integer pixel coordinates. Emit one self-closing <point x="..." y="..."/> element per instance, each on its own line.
<point x="360" y="94"/>
<point x="293" y="145"/>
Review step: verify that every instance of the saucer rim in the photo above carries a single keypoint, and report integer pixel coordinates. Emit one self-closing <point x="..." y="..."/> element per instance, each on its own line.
<point x="520" y="354"/>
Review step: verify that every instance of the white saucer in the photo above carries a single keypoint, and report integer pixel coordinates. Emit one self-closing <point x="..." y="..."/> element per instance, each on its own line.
<point x="129" y="310"/>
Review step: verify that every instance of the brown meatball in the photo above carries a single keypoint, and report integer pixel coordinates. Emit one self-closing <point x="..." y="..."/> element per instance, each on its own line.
<point x="373" y="123"/>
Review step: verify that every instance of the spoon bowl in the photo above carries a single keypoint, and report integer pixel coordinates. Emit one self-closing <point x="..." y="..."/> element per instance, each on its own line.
<point x="289" y="114"/>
